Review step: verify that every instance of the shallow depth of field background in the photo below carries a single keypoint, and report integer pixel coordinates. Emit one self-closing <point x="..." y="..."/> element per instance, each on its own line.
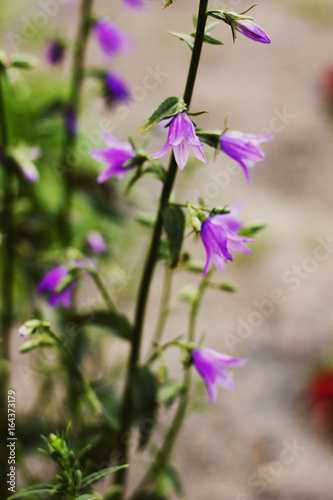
<point x="231" y="450"/>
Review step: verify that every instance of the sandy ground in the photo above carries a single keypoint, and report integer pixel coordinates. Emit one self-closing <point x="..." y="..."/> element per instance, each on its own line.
<point x="257" y="441"/>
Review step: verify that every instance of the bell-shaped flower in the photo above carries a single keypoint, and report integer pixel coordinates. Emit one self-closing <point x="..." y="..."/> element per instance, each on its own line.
<point x="213" y="368"/>
<point x="54" y="51"/>
<point x="181" y="138"/>
<point x="49" y="284"/>
<point x="115" y="89"/>
<point x="243" y="148"/>
<point x="251" y="30"/>
<point x="111" y="38"/>
<point x="116" y="155"/>
<point x="60" y="282"/>
<point x="220" y="239"/>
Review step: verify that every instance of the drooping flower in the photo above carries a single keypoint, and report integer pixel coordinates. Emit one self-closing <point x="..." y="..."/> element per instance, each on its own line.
<point x="50" y="283"/>
<point x="111" y="38"/>
<point x="181" y="137"/>
<point x="251" y="30"/>
<point x="54" y="52"/>
<point x="116" y="155"/>
<point x="213" y="368"/>
<point x="96" y="242"/>
<point x="115" y="89"/>
<point x="220" y="239"/>
<point x="244" y="148"/>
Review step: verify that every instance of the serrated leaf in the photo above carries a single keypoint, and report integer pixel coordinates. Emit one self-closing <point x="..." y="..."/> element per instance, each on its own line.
<point x="110" y="320"/>
<point x="169" y="107"/>
<point x="144" y="394"/>
<point x="96" y="476"/>
<point x="189" y="39"/>
<point x="174" y="224"/>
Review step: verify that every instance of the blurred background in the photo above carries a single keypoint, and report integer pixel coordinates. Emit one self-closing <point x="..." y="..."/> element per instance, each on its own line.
<point x="271" y="437"/>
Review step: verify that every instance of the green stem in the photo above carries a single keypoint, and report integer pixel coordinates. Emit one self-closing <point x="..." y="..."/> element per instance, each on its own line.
<point x="164" y="309"/>
<point x="127" y="408"/>
<point x="74" y="371"/>
<point x="165" y="451"/>
<point x="76" y="84"/>
<point x="103" y="290"/>
<point x="7" y="281"/>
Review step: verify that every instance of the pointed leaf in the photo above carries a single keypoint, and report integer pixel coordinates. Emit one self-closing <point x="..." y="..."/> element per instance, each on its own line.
<point x="96" y="476"/>
<point x="33" y="490"/>
<point x="144" y="394"/>
<point x="171" y="106"/>
<point x="189" y="39"/>
<point x="174" y="224"/>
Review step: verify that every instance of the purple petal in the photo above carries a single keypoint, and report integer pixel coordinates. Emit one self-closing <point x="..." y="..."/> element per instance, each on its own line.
<point x="251" y="30"/>
<point x="181" y="152"/>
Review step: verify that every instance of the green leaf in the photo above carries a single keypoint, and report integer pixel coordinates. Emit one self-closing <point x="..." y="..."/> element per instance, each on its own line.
<point x="174" y="478"/>
<point x="96" y="476"/>
<point x="225" y="287"/>
<point x="144" y="394"/>
<point x="174" y="224"/>
<point x="168" y="108"/>
<point x="169" y="391"/>
<point x="24" y="61"/>
<point x="189" y="39"/>
<point x="210" y="137"/>
<point x="146" y="220"/>
<point x="110" y="320"/>
<point x="31" y="490"/>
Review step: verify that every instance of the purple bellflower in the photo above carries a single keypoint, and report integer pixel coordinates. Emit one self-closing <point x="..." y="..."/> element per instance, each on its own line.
<point x="96" y="242"/>
<point x="111" y="38"/>
<point x="54" y="52"/>
<point x="115" y="89"/>
<point x="52" y="280"/>
<point x="244" y="148"/>
<point x="49" y="285"/>
<point x="116" y="155"/>
<point x="248" y="28"/>
<point x="220" y="239"/>
<point x="181" y="137"/>
<point x="212" y="366"/>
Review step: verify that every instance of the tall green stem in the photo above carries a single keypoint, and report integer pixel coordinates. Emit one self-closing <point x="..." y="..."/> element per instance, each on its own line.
<point x="164" y="309"/>
<point x="127" y="409"/>
<point x="165" y="451"/>
<point x="7" y="272"/>
<point x="77" y="79"/>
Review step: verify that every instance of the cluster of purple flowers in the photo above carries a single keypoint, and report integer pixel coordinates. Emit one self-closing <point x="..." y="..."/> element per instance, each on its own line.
<point x="219" y="233"/>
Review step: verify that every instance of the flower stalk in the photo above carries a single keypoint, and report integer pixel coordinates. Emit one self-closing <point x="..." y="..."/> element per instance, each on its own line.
<point x="7" y="273"/>
<point x="127" y="408"/>
<point x="77" y="79"/>
<point x="166" y="449"/>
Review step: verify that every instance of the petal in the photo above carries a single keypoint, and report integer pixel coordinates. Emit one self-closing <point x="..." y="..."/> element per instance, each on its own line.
<point x="181" y="152"/>
<point x="163" y="151"/>
<point x="52" y="279"/>
<point x="177" y="130"/>
<point x="197" y="150"/>
<point x="102" y="155"/>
